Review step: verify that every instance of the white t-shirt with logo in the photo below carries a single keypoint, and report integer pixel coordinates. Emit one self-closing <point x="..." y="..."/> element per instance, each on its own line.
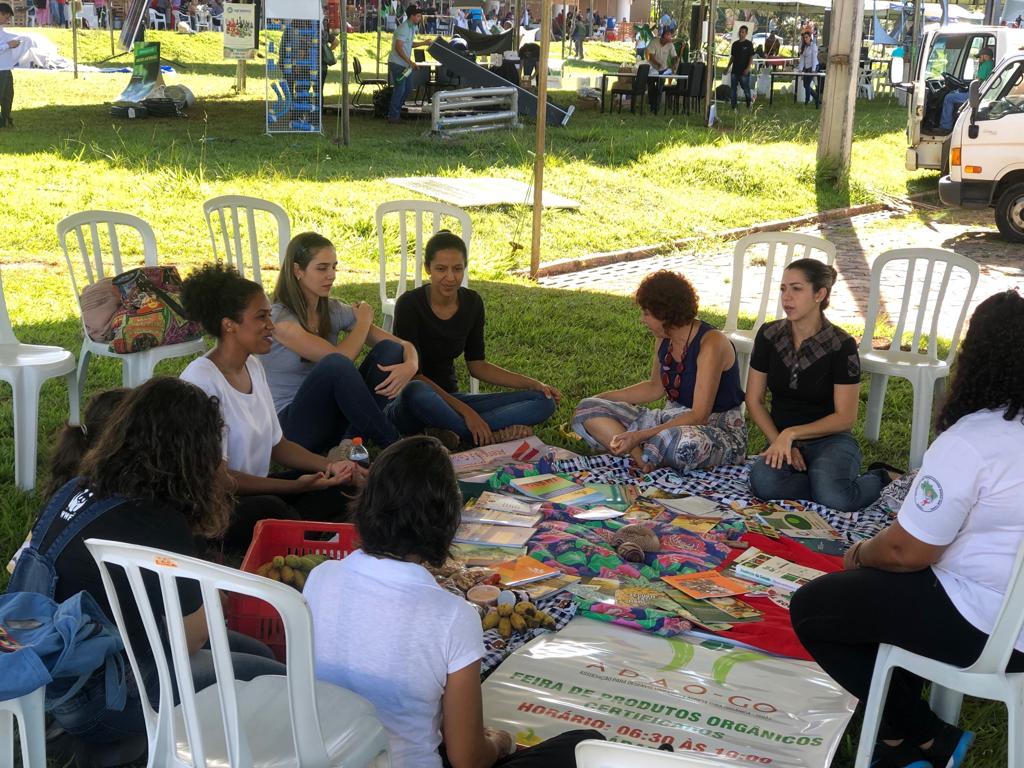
<point x="385" y="630"/>
<point x="969" y="495"/>
<point x="251" y="427"/>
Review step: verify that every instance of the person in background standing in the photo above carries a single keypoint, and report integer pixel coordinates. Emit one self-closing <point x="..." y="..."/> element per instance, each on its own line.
<point x="400" y="62"/>
<point x="42" y="12"/>
<point x="809" y="63"/>
<point x="740" y="58"/>
<point x="579" y="34"/>
<point x="8" y="44"/>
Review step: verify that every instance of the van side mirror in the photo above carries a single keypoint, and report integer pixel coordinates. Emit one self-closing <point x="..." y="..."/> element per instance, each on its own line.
<point x="973" y="100"/>
<point x="896" y="70"/>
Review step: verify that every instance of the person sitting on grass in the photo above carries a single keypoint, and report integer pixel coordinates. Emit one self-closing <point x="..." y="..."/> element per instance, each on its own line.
<point x="444" y="320"/>
<point x="235" y="311"/>
<point x="418" y="659"/>
<point x="812" y="370"/>
<point x="319" y="394"/>
<point x="694" y="367"/>
<point x="160" y="455"/>
<point x="934" y="581"/>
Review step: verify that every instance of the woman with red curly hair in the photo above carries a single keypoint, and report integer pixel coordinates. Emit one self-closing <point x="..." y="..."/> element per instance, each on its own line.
<point x="694" y="367"/>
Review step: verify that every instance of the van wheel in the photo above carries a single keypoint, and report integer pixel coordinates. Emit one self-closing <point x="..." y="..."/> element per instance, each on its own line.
<point x="1010" y="213"/>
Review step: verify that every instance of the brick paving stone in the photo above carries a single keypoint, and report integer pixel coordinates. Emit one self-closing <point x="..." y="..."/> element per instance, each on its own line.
<point x="858" y="240"/>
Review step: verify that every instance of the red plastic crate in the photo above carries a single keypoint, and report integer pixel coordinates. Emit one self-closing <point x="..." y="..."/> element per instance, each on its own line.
<point x="256" y="618"/>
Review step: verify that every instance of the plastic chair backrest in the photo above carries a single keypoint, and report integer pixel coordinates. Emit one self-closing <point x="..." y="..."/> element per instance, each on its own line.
<point x="696" y="81"/>
<point x="6" y="329"/>
<point x="609" y="754"/>
<point x="230" y="212"/>
<point x="640" y="81"/>
<point x="921" y="300"/>
<point x="783" y="248"/>
<point x="1009" y="622"/>
<point x="357" y="69"/>
<point x="89" y="229"/>
<point x="161" y="725"/>
<point x="419" y="210"/>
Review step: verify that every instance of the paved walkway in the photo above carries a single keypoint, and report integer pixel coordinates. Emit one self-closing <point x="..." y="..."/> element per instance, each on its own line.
<point x="858" y="240"/>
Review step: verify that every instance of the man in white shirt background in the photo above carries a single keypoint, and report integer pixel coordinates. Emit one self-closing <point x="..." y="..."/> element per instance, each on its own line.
<point x="8" y="44"/>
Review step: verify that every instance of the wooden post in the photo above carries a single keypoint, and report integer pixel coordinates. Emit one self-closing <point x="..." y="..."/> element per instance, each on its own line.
<point x="517" y="12"/>
<point x="73" y="6"/>
<point x="344" y="74"/>
<point x="380" y="20"/>
<point x="542" y="115"/>
<point x="839" y="95"/>
<point x="709" y="75"/>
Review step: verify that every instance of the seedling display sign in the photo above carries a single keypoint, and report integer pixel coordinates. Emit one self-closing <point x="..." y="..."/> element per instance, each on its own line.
<point x="239" y="22"/>
<point x="704" y="698"/>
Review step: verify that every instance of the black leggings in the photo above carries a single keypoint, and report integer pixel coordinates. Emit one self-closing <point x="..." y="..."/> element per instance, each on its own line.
<point x="841" y="618"/>
<point x="556" y="752"/>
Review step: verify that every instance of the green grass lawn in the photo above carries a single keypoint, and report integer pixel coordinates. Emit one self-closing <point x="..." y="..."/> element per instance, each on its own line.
<point x="638" y="180"/>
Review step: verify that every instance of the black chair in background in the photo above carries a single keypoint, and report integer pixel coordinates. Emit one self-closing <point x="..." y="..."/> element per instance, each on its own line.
<point x="637" y="90"/>
<point x="697" y="85"/>
<point x="679" y="89"/>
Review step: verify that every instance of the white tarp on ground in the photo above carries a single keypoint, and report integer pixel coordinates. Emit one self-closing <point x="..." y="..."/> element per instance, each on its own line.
<point x="480" y="192"/>
<point x="705" y="698"/>
<point x="39" y="52"/>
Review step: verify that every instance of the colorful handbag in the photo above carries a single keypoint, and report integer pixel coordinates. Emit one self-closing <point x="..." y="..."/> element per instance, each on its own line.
<point x="151" y="314"/>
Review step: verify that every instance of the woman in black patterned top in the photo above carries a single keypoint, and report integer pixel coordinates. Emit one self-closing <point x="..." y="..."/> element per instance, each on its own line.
<point x="812" y="370"/>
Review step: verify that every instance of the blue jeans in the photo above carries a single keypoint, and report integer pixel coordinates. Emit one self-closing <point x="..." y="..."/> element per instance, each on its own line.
<point x="951" y="108"/>
<point x="337" y="400"/>
<point x="833" y="463"/>
<point x="810" y="92"/>
<point x="419" y="406"/>
<point x="400" y="87"/>
<point x="740" y="81"/>
<point x="85" y="715"/>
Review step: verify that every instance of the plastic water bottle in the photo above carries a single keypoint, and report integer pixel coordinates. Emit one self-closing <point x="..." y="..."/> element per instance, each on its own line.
<point x="358" y="453"/>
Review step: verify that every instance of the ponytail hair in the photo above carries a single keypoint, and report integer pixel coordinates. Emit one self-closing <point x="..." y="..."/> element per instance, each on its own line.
<point x="819" y="275"/>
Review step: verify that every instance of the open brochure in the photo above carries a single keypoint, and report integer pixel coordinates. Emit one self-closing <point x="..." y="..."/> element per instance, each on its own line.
<point x="556" y="489"/>
<point x="495" y="509"/>
<point x="480" y="463"/>
<point x="773" y="571"/>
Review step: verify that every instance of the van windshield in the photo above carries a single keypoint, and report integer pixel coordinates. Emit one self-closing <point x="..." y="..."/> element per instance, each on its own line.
<point x="943" y="56"/>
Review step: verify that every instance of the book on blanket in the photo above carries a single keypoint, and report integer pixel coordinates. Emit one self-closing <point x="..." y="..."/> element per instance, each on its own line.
<point x="482" y="462"/>
<point x="556" y="489"/>
<point x="495" y="509"/>
<point x="538" y="590"/>
<point x="795" y="522"/>
<point x="705" y="584"/>
<point x="493" y="535"/>
<point x="772" y="571"/>
<point x="485" y="556"/>
<point x="524" y="570"/>
<point x="695" y="506"/>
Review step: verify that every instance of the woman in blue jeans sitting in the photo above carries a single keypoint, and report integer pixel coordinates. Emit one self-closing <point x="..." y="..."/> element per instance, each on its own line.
<point x="444" y="320"/>
<point x="319" y="394"/>
<point x="812" y="370"/>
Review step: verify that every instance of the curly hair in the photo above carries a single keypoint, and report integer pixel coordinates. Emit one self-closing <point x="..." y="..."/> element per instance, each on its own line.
<point x="74" y="440"/>
<point x="411" y="504"/>
<point x="989" y="371"/>
<point x="669" y="297"/>
<point x="165" y="445"/>
<point x="300" y="251"/>
<point x="819" y="275"/>
<point x="214" y="292"/>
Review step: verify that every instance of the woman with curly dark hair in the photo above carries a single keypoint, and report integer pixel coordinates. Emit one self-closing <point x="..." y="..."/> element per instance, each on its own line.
<point x="694" y="367"/>
<point x="418" y="658"/>
<point x="933" y="582"/>
<point x="159" y="461"/>
<point x="812" y="370"/>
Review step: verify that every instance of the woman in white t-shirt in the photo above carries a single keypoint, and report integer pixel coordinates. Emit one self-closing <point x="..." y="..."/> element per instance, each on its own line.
<point x="933" y="582"/>
<point x="386" y="630"/>
<point x="236" y="312"/>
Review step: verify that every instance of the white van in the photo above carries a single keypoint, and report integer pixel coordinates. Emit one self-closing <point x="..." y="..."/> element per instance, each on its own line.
<point x="948" y="60"/>
<point x="986" y="156"/>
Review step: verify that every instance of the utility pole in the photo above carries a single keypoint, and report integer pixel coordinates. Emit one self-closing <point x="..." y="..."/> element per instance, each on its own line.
<point x="839" y="94"/>
<point x="542" y="120"/>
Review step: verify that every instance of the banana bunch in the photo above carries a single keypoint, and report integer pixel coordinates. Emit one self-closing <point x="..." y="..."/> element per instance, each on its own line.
<point x="508" y="618"/>
<point x="291" y="569"/>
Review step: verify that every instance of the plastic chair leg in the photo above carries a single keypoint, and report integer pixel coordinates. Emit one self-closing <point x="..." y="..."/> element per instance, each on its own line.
<point x="1015" y="735"/>
<point x="873" y="708"/>
<point x="876" y="400"/>
<point x="26" y="429"/>
<point x="389" y="322"/>
<point x="922" y="420"/>
<point x="138" y="369"/>
<point x="744" y="360"/>
<point x="74" y="399"/>
<point x="31" y="730"/>
<point x="945" y="702"/>
<point x="83" y="372"/>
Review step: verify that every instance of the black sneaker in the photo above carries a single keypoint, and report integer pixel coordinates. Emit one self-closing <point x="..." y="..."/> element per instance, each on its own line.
<point x="906" y="755"/>
<point x="950" y="747"/>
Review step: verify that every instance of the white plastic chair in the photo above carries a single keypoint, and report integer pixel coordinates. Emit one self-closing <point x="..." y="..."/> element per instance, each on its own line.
<point x="418" y="210"/>
<point x="87" y="229"/>
<point x="272" y="720"/>
<point x="986" y="678"/>
<point x="229" y="213"/>
<point x="157" y="20"/>
<point x="923" y="368"/>
<point x="28" y="709"/>
<point x="783" y="248"/>
<point x="25" y="367"/>
<point x="594" y="753"/>
<point x="204" y="20"/>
